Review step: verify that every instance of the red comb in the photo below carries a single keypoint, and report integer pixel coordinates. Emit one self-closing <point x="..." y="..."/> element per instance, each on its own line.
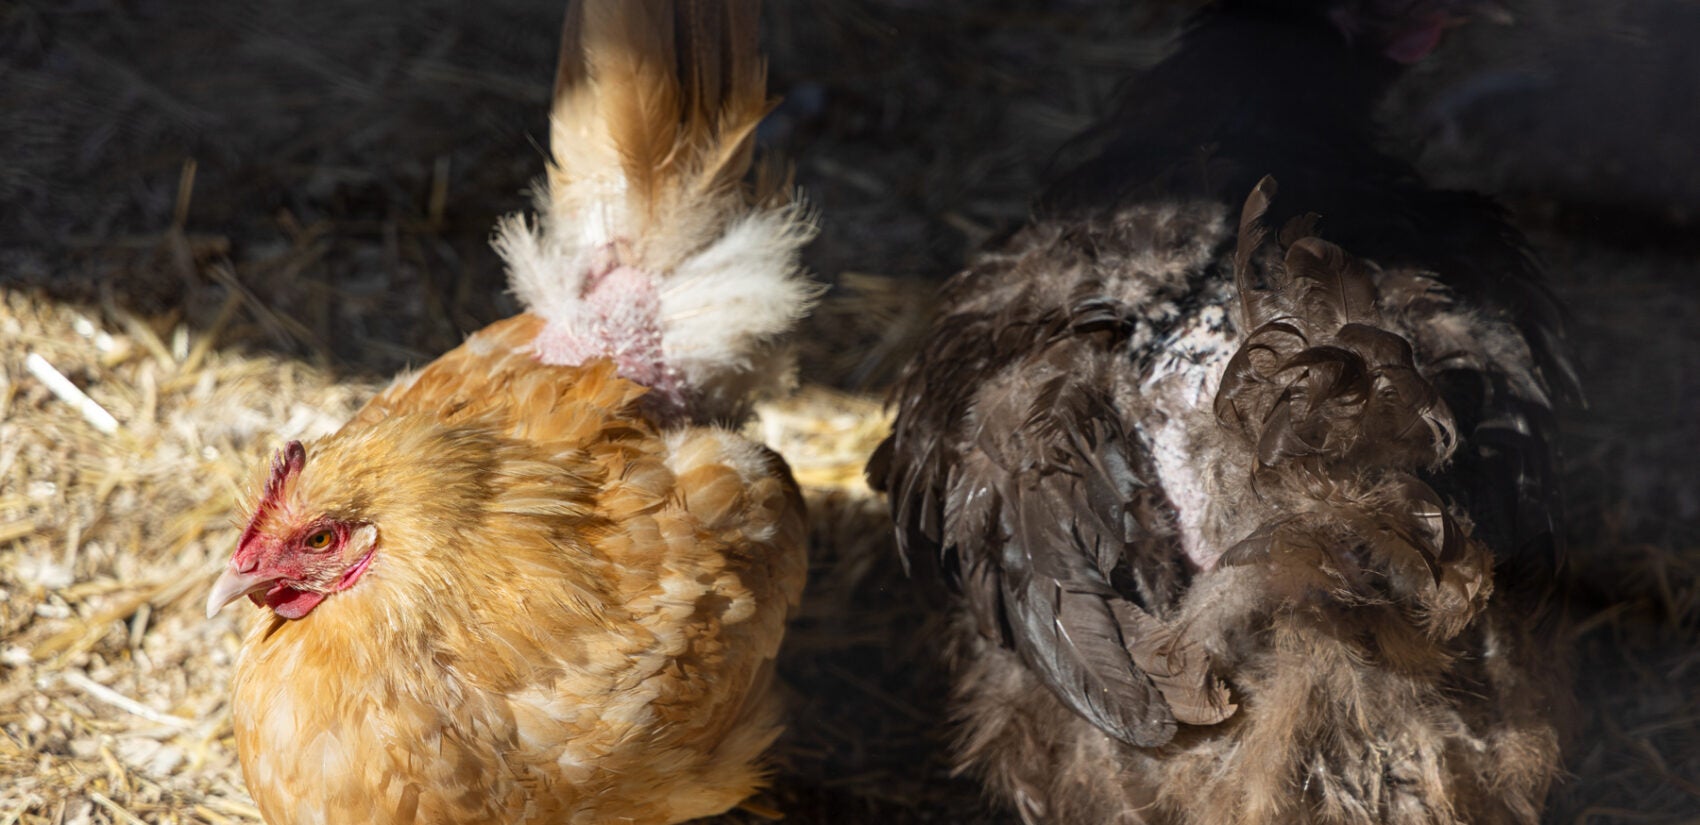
<point x="285" y="465"/>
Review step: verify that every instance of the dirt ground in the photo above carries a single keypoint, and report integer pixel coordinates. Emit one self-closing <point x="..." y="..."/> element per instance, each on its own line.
<point x="229" y="222"/>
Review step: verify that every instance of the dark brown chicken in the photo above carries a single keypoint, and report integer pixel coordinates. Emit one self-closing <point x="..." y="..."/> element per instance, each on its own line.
<point x="1244" y="525"/>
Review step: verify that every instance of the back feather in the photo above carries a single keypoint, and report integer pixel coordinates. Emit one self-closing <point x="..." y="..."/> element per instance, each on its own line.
<point x="651" y="248"/>
<point x="1339" y="422"/>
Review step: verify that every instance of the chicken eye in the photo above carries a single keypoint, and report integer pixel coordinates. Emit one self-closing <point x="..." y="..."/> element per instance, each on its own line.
<point x="319" y="540"/>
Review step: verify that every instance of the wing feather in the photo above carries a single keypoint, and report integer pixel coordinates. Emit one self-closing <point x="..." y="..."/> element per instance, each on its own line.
<point x="1032" y="499"/>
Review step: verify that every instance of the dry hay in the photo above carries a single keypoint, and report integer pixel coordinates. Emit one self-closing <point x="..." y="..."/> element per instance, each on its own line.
<point x="348" y="160"/>
<point x="115" y="685"/>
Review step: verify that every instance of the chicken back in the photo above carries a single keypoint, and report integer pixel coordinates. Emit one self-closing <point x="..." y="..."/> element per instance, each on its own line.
<point x="1239" y="523"/>
<point x="568" y="616"/>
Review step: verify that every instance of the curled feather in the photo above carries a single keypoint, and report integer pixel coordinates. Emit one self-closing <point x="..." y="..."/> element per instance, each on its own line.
<point x="1337" y="417"/>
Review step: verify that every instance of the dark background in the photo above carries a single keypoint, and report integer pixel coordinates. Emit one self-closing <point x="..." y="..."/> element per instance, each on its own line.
<point x="350" y="158"/>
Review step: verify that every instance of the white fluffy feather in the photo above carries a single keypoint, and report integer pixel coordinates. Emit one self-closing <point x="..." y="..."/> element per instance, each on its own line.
<point x="721" y="308"/>
<point x="648" y="249"/>
<point x="725" y="304"/>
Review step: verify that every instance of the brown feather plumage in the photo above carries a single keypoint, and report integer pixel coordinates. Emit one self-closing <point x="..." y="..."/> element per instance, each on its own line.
<point x="1281" y="465"/>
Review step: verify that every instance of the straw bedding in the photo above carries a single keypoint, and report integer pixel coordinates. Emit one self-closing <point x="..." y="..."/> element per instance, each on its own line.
<point x="228" y="223"/>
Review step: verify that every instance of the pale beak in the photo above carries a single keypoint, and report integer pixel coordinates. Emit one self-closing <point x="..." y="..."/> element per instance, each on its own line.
<point x="232" y="586"/>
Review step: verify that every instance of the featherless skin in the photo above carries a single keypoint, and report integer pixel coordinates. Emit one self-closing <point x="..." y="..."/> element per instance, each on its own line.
<point x="531" y="582"/>
<point x="1247" y="513"/>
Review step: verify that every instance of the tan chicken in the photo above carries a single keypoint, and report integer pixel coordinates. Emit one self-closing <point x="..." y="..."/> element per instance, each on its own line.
<point x="526" y="583"/>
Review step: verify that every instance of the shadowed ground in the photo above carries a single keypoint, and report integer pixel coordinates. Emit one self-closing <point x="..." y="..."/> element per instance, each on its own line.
<point x="228" y="221"/>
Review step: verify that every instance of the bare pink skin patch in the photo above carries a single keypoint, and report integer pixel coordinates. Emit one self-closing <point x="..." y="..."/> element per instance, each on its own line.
<point x="622" y="308"/>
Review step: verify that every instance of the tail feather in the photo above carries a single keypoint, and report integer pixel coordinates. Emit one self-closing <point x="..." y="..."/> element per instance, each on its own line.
<point x="653" y="249"/>
<point x="675" y="89"/>
<point x="1338" y="421"/>
<point x="1385" y="684"/>
<point x="1320" y="385"/>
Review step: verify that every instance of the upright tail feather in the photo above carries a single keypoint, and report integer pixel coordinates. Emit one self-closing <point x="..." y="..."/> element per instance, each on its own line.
<point x="652" y="248"/>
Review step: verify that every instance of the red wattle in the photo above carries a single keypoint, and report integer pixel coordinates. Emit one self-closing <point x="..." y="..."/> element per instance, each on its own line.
<point x="291" y="603"/>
